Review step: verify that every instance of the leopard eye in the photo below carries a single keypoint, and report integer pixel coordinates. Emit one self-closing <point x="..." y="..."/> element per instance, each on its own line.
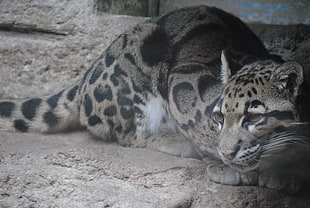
<point x="251" y="118"/>
<point x="218" y="117"/>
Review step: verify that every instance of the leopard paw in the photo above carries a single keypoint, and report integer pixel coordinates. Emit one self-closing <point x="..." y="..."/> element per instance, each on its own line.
<point x="223" y="174"/>
<point x="280" y="180"/>
<point x="172" y="144"/>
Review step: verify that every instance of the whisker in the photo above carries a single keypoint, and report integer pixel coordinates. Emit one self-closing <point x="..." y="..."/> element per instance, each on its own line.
<point x="288" y="139"/>
<point x="278" y="139"/>
<point x="267" y="155"/>
<point x="274" y="150"/>
<point x="275" y="145"/>
<point x="300" y="123"/>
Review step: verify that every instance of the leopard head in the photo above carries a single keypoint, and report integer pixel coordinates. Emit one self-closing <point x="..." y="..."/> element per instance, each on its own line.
<point x="255" y="110"/>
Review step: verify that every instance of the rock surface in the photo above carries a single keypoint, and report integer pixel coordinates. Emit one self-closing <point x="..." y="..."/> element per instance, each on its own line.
<point x="44" y="47"/>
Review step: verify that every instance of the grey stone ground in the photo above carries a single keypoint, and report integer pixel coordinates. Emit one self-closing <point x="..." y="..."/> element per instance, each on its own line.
<point x="45" y="46"/>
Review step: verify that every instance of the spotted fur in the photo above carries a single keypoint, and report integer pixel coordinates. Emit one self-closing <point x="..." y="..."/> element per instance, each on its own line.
<point x="166" y="74"/>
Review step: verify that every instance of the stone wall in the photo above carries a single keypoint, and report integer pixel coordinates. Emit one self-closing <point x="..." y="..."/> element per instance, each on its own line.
<point x="259" y="11"/>
<point x="133" y="7"/>
<point x="262" y="11"/>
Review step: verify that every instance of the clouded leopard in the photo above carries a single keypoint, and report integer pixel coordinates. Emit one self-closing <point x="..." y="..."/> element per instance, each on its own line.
<point x="198" y="77"/>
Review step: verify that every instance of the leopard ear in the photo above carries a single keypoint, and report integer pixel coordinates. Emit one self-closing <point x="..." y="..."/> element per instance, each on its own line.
<point x="225" y="70"/>
<point x="232" y="61"/>
<point x="287" y="78"/>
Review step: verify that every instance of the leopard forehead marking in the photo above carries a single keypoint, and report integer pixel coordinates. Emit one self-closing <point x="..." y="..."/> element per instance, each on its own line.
<point x="248" y="86"/>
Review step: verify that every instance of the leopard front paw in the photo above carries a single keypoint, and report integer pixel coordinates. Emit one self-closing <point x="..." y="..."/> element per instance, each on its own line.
<point x="172" y="144"/>
<point x="223" y="174"/>
<point x="280" y="180"/>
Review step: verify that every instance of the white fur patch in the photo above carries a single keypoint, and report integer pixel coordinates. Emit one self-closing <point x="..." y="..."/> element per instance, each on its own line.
<point x="257" y="109"/>
<point x="155" y="112"/>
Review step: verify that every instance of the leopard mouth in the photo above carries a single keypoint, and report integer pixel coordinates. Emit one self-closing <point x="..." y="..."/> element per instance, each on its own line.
<point x="246" y="160"/>
<point x="244" y="165"/>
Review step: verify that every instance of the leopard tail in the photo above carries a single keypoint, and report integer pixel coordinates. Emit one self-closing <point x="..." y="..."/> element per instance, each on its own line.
<point x="55" y="113"/>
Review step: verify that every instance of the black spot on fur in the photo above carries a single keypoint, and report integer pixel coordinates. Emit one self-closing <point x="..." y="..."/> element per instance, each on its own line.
<point x="137" y="99"/>
<point x="52" y="101"/>
<point x="86" y="74"/>
<point x="155" y="47"/>
<point x="94" y="120"/>
<point x="127" y="114"/>
<point x="96" y="73"/>
<point x="104" y="76"/>
<point x="209" y="108"/>
<point x="125" y="90"/>
<point x="227" y="90"/>
<point x="130" y="58"/>
<point x="254" y="90"/>
<point x="88" y="105"/>
<point x="21" y="125"/>
<point x="118" y="72"/>
<point x="256" y="103"/>
<point x="198" y="116"/>
<point x="261" y="81"/>
<point x="184" y="127"/>
<point x="119" y="129"/>
<point x="178" y="91"/>
<point x="29" y="107"/>
<point x="50" y="118"/>
<point x="109" y="59"/>
<point x="122" y="100"/>
<point x="246" y="107"/>
<point x="256" y="81"/>
<point x="125" y="39"/>
<point x="138" y="110"/>
<point x="135" y="87"/>
<point x="131" y="128"/>
<point x="111" y="124"/>
<point x="6" y="109"/>
<point x="249" y="93"/>
<point x="103" y="93"/>
<point x="191" y="123"/>
<point x="110" y="111"/>
<point x="71" y="94"/>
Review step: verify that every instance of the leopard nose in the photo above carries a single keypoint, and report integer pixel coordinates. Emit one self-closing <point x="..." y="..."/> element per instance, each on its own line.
<point x="228" y="154"/>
